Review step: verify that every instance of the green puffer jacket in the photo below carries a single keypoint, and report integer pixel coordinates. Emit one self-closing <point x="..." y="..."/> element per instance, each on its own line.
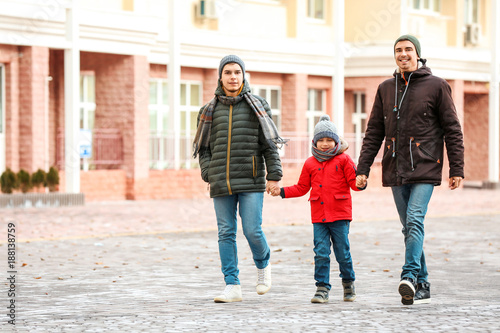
<point x="239" y="154"/>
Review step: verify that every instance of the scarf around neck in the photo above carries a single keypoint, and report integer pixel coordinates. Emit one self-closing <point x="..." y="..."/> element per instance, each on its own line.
<point x="323" y="156"/>
<point x="201" y="141"/>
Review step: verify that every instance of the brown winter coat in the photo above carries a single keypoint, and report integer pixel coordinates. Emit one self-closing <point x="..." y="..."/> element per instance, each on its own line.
<point x="415" y="132"/>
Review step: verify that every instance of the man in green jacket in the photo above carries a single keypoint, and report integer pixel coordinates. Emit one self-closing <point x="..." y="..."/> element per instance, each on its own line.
<point x="236" y="143"/>
<point x="415" y="115"/>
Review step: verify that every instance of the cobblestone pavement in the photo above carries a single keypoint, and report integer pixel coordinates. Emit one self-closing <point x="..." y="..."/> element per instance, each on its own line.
<point x="153" y="266"/>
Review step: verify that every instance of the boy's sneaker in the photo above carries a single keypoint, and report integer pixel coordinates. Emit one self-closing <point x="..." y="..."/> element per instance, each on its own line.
<point x="349" y="291"/>
<point x="407" y="290"/>
<point x="263" y="280"/>
<point x="423" y="293"/>
<point x="232" y="293"/>
<point x="321" y="295"/>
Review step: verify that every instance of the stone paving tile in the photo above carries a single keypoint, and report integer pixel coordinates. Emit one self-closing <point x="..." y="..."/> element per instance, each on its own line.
<point x="166" y="281"/>
<point x="153" y="266"/>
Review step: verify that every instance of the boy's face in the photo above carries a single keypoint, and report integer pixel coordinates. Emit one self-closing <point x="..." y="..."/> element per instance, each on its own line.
<point x="325" y="144"/>
<point x="232" y="79"/>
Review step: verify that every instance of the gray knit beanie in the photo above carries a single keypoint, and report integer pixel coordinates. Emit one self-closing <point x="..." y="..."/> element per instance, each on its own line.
<point x="412" y="39"/>
<point x="325" y="129"/>
<point x="231" y="59"/>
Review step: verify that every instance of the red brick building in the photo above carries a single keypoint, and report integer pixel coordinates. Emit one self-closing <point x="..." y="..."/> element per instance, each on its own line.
<point x="141" y="149"/>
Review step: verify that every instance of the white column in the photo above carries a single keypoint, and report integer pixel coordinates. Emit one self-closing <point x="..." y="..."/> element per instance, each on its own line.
<point x="71" y="100"/>
<point x="338" y="75"/>
<point x="174" y="79"/>
<point x="494" y="105"/>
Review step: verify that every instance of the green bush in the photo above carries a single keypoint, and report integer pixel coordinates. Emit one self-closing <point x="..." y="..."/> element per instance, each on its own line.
<point x="52" y="179"/>
<point x="8" y="181"/>
<point x="38" y="178"/>
<point x="24" y="180"/>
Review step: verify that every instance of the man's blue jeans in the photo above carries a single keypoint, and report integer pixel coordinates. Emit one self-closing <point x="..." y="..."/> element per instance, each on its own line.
<point x="411" y="202"/>
<point x="250" y="209"/>
<point x="326" y="234"/>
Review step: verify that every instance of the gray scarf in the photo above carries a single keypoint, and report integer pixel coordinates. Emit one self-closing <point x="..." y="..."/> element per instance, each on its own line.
<point x="201" y="141"/>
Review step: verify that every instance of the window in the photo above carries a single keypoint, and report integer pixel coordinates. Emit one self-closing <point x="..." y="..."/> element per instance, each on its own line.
<point x="272" y="95"/>
<point x="87" y="101"/>
<point x="471" y="12"/>
<point x="1" y="101"/>
<point x="158" y="123"/>
<point x="427" y="5"/>
<point x="315" y="109"/>
<point x="190" y="107"/>
<point x="2" y="120"/>
<point x="316" y="9"/>
<point x="359" y="121"/>
<point x="87" y="110"/>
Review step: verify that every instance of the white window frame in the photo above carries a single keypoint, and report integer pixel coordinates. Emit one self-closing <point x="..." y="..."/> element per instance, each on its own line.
<point x="357" y="120"/>
<point x="161" y="110"/>
<point x="87" y="105"/>
<point x="276" y="112"/>
<point x="471" y="6"/>
<point x="187" y="134"/>
<point x="87" y="110"/>
<point x="2" y="119"/>
<point x="420" y="6"/>
<point x="312" y="111"/>
<point x="311" y="4"/>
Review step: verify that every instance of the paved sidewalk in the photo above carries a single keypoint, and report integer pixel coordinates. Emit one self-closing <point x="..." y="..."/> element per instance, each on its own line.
<point x="153" y="266"/>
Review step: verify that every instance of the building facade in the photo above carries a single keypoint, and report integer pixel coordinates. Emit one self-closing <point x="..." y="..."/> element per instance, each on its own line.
<point x="146" y="68"/>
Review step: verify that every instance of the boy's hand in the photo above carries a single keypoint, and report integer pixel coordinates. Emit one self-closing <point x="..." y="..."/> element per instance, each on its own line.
<point x="361" y="181"/>
<point x="270" y="185"/>
<point x="275" y="191"/>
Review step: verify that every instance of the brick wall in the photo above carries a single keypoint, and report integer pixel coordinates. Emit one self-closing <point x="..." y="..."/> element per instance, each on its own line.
<point x="294" y="103"/>
<point x="33" y="84"/>
<point x="103" y="185"/>
<point x="9" y="56"/>
<point x="476" y="136"/>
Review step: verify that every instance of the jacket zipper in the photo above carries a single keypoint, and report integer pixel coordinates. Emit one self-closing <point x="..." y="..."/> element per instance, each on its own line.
<point x="411" y="155"/>
<point x="428" y="154"/>
<point x="254" y="167"/>
<point x="228" y="156"/>
<point x="398" y="110"/>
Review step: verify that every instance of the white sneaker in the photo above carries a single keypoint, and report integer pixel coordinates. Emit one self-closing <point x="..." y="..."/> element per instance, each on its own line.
<point x="232" y="293"/>
<point x="264" y="280"/>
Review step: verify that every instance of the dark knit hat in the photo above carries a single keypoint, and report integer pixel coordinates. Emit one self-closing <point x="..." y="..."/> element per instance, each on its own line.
<point x="412" y="39"/>
<point x="325" y="129"/>
<point x="231" y="59"/>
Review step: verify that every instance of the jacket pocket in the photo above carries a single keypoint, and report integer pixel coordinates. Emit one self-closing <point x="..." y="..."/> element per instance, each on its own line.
<point x="313" y="198"/>
<point x="342" y="196"/>
<point x="427" y="153"/>
<point x="420" y="153"/>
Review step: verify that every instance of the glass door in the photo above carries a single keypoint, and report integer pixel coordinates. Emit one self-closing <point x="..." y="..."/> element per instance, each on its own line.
<point x="2" y="118"/>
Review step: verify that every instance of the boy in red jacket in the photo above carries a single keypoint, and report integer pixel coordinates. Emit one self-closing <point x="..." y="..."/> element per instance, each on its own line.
<point x="330" y="174"/>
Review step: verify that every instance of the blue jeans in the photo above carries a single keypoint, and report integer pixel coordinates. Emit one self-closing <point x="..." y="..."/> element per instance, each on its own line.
<point x="411" y="202"/>
<point x="326" y="234"/>
<point x="250" y="209"/>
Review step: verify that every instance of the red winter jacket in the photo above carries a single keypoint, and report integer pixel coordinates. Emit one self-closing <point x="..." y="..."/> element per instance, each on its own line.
<point x="330" y="181"/>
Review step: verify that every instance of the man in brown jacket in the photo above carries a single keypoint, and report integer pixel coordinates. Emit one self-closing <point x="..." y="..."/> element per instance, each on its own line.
<point x="414" y="115"/>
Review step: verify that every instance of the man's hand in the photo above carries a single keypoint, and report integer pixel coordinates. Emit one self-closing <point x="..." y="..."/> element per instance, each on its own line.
<point x="271" y="186"/>
<point x="454" y="182"/>
<point x="361" y="181"/>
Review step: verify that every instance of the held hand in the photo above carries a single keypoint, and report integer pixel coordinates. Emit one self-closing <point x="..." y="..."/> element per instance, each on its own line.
<point x="270" y="185"/>
<point x="361" y="181"/>
<point x="275" y="191"/>
<point x="454" y="182"/>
